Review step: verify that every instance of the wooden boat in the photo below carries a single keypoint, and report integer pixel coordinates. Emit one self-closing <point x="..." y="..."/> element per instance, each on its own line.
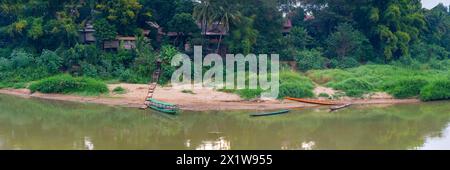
<point x="162" y="106"/>
<point x="270" y="114"/>
<point x="335" y="108"/>
<point x="319" y="102"/>
<point x="170" y="111"/>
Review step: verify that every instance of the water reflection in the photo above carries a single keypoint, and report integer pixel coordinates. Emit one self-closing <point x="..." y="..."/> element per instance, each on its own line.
<point x="219" y="144"/>
<point x="88" y="144"/>
<point x="63" y="125"/>
<point x="306" y="145"/>
<point x="440" y="142"/>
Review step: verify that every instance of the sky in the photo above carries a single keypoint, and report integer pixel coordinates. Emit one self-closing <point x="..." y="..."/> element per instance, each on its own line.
<point x="432" y="3"/>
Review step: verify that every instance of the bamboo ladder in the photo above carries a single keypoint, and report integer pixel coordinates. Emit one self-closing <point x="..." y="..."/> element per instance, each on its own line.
<point x="152" y="85"/>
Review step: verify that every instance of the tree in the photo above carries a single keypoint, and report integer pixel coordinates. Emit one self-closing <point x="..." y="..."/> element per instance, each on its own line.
<point x="104" y="31"/>
<point x="183" y="24"/>
<point x="225" y="15"/>
<point x="243" y="36"/>
<point x="203" y="13"/>
<point x="390" y="25"/>
<point x="438" y="26"/>
<point x="298" y="38"/>
<point x="122" y="13"/>
<point x="347" y="42"/>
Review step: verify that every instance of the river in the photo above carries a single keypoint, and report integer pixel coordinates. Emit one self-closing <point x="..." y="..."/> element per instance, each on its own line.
<point x="40" y="124"/>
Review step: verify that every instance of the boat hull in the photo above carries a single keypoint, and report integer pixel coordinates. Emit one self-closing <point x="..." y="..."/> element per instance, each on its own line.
<point x="319" y="102"/>
<point x="162" y="106"/>
<point x="270" y="114"/>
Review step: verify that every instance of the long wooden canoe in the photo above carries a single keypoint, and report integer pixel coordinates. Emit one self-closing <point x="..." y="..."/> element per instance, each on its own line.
<point x="335" y="108"/>
<point x="169" y="111"/>
<point x="270" y="114"/>
<point x="162" y="106"/>
<point x="319" y="102"/>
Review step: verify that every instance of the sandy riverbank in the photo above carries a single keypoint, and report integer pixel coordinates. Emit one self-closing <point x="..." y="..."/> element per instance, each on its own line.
<point x="200" y="100"/>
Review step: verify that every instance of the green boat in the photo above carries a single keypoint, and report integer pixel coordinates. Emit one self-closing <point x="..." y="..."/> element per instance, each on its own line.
<point x="169" y="111"/>
<point x="162" y="106"/>
<point x="270" y="114"/>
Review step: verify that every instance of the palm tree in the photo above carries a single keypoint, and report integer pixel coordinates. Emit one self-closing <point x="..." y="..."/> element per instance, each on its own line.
<point x="203" y="12"/>
<point x="225" y="15"/>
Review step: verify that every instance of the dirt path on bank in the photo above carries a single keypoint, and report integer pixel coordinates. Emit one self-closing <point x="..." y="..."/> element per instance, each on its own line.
<point x="198" y="100"/>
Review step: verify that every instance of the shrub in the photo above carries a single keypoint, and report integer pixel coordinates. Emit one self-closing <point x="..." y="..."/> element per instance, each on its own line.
<point x="50" y="61"/>
<point x="295" y="90"/>
<point x="167" y="53"/>
<point x="330" y="75"/>
<point x="68" y="84"/>
<point x="405" y="87"/>
<point x="187" y="91"/>
<point x="88" y="70"/>
<point x="324" y="95"/>
<point x="344" y="63"/>
<point x="19" y="85"/>
<point x="311" y="59"/>
<point x="249" y="93"/>
<point x="21" y="59"/>
<point x="436" y="90"/>
<point x="353" y="87"/>
<point x="5" y="64"/>
<point x="294" y="77"/>
<point x="293" y="84"/>
<point x="119" y="90"/>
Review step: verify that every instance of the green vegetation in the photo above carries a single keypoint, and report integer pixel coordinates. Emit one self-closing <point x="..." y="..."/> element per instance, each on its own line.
<point x="187" y="91"/>
<point x="67" y="84"/>
<point x="406" y="87"/>
<point x="357" y="47"/>
<point x="119" y="90"/>
<point x="353" y="87"/>
<point x="324" y="95"/>
<point x="293" y="84"/>
<point x="436" y="90"/>
<point x="398" y="81"/>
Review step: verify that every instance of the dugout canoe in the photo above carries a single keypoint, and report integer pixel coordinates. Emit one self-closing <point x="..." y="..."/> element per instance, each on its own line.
<point x="270" y="113"/>
<point x="319" y="102"/>
<point x="162" y="106"/>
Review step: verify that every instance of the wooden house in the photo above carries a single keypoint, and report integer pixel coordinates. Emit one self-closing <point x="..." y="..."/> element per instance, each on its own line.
<point x="123" y="42"/>
<point x="86" y="35"/>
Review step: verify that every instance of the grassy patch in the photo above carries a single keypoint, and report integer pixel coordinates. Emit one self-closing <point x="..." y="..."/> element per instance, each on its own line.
<point x="324" y="95"/>
<point x="187" y="91"/>
<point x="67" y="84"/>
<point x="398" y="81"/>
<point x="19" y="85"/>
<point x="405" y="87"/>
<point x="295" y="90"/>
<point x="119" y="90"/>
<point x="293" y="84"/>
<point x="353" y="87"/>
<point x="436" y="90"/>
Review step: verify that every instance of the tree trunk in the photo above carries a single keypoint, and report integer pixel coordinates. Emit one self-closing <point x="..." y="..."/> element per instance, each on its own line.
<point x="206" y="30"/>
<point x="218" y="44"/>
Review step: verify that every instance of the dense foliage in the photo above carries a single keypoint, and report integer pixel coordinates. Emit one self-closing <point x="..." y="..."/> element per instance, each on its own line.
<point x="41" y="38"/>
<point x="68" y="84"/>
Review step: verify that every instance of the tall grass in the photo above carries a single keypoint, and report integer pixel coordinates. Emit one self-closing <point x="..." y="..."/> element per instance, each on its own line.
<point x="405" y="87"/>
<point x="67" y="84"/>
<point x="436" y="90"/>
<point x="398" y="81"/>
<point x="293" y="84"/>
<point x="353" y="87"/>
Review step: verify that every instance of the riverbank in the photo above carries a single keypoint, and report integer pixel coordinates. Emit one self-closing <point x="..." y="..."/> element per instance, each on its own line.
<point x="196" y="100"/>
